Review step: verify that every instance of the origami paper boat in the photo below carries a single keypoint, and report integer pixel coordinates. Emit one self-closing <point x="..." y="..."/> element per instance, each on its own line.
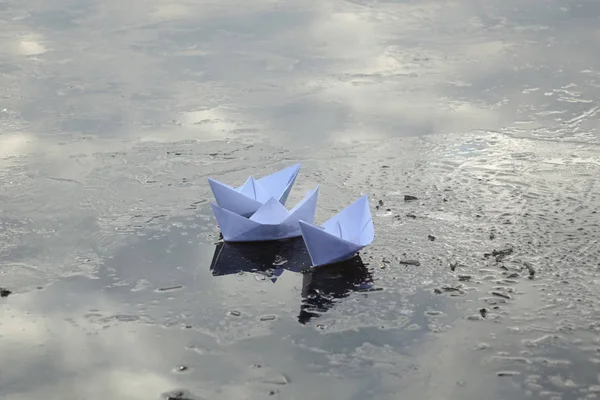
<point x="272" y="221"/>
<point x="340" y="237"/>
<point x="248" y="198"/>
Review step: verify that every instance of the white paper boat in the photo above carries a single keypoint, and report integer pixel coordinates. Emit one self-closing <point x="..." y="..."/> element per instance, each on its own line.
<point x="341" y="236"/>
<point x="248" y="198"/>
<point x="272" y="221"/>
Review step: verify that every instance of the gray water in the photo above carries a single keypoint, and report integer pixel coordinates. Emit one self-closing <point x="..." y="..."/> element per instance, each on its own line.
<point x="116" y="286"/>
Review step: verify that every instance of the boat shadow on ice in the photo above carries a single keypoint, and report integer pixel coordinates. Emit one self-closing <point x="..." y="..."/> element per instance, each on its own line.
<point x="322" y="287"/>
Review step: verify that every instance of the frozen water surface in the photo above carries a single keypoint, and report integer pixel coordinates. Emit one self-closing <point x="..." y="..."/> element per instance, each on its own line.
<point x="114" y="113"/>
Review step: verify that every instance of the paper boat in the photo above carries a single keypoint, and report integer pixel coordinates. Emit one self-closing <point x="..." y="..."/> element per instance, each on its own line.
<point x="341" y="236"/>
<point x="248" y="198"/>
<point x="271" y="221"/>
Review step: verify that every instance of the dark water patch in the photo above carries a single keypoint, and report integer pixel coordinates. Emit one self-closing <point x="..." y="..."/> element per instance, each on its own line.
<point x="179" y="394"/>
<point x="321" y="287"/>
<point x="236" y="258"/>
<point x="414" y="263"/>
<point x="169" y="288"/>
<point x="181" y="368"/>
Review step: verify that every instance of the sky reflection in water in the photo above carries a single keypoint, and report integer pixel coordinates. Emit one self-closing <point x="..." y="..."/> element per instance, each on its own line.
<point x="113" y="114"/>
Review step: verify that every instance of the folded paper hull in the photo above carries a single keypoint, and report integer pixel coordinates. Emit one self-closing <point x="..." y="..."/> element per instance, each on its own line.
<point x="245" y="200"/>
<point x="280" y="183"/>
<point x="325" y="248"/>
<point x="340" y="237"/>
<point x="267" y="223"/>
<point x="230" y="199"/>
<point x="254" y="233"/>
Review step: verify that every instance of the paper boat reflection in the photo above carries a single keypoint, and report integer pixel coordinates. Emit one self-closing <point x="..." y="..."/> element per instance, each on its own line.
<point x="245" y="200"/>
<point x="321" y="288"/>
<point x="268" y="258"/>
